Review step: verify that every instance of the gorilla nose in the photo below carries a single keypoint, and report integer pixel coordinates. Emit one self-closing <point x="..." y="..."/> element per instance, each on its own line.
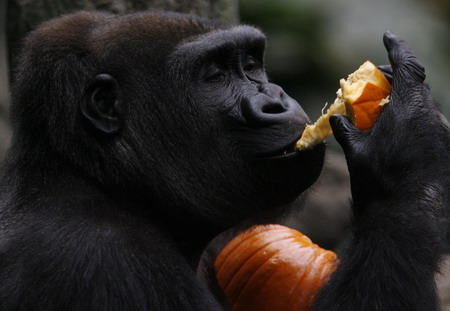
<point x="271" y="106"/>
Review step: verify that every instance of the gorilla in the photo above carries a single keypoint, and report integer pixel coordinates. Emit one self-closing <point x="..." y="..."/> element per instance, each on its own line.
<point x="139" y="138"/>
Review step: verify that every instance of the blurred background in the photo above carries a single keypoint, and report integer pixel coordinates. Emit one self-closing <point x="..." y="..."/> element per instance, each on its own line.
<point x="311" y="45"/>
<point x="314" y="43"/>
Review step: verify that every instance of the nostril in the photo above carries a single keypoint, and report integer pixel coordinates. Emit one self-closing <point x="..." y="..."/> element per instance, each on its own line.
<point x="264" y="110"/>
<point x="273" y="109"/>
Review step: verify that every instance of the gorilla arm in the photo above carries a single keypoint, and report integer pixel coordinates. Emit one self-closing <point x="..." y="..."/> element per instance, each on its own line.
<point x="399" y="178"/>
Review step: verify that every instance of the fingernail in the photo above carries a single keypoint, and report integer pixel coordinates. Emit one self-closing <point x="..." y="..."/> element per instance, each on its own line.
<point x="387" y="39"/>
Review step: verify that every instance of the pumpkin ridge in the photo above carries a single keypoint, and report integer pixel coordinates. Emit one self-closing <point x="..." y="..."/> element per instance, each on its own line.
<point x="322" y="256"/>
<point x="242" y="237"/>
<point x="316" y="267"/>
<point x="248" y="281"/>
<point x="254" y="252"/>
<point x="300" y="248"/>
<point x="296" y="292"/>
<point x="251" y="256"/>
<point x="327" y="270"/>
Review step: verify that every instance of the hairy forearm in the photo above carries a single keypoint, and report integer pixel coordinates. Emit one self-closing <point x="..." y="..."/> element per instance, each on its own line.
<point x="379" y="279"/>
<point x="391" y="261"/>
<point x="400" y="179"/>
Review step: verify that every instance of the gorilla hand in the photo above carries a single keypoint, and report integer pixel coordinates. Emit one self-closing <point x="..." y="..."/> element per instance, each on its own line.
<point x="399" y="177"/>
<point x="408" y="146"/>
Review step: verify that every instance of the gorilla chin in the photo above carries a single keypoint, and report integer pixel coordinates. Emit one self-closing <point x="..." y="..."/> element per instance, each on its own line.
<point x="273" y="124"/>
<point x="283" y="177"/>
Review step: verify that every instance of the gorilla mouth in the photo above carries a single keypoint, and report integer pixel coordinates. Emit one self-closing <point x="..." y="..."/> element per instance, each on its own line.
<point x="291" y="155"/>
<point x="290" y="150"/>
<point x="283" y="152"/>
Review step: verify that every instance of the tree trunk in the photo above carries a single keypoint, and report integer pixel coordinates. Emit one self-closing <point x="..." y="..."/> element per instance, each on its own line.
<point x="5" y="132"/>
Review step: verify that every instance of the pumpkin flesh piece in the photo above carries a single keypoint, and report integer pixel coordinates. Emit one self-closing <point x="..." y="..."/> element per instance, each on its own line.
<point x="367" y="84"/>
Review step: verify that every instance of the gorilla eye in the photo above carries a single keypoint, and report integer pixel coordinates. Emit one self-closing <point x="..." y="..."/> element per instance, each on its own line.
<point x="215" y="77"/>
<point x="250" y="64"/>
<point x="214" y="74"/>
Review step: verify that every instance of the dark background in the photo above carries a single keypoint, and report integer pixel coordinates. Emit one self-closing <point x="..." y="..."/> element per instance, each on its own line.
<point x="314" y="43"/>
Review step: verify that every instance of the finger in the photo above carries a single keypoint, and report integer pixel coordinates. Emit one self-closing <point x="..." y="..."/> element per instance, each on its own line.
<point x="387" y="71"/>
<point x="344" y="131"/>
<point x="403" y="60"/>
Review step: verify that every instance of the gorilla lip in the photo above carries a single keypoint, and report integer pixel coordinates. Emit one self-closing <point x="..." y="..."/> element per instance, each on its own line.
<point x="292" y="153"/>
<point x="288" y="150"/>
<point x="285" y="151"/>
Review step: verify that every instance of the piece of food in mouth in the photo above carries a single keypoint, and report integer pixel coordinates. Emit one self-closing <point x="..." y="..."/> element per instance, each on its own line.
<point x="272" y="267"/>
<point x="361" y="97"/>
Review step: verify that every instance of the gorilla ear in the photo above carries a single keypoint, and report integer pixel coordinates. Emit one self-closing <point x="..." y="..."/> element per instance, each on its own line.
<point x="103" y="107"/>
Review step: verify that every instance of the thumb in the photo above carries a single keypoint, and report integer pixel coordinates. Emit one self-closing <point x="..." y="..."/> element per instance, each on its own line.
<point x="344" y="131"/>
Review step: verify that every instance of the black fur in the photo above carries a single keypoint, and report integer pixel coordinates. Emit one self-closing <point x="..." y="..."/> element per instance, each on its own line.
<point x="139" y="138"/>
<point x="400" y="174"/>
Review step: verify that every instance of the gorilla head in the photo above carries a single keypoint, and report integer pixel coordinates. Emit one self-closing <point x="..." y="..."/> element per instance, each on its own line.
<point x="164" y="109"/>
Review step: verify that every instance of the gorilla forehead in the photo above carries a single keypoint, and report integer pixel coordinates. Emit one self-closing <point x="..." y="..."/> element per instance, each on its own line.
<point x="175" y="35"/>
<point x="149" y="27"/>
<point x="100" y="32"/>
<point x="234" y="38"/>
<point x="155" y="34"/>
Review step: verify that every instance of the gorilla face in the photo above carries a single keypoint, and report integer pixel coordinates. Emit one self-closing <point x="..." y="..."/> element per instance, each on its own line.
<point x="167" y="108"/>
<point x="233" y="141"/>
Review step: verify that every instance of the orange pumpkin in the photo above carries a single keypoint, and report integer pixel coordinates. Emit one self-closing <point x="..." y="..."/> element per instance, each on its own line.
<point x="361" y="97"/>
<point x="363" y="92"/>
<point x="272" y="267"/>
